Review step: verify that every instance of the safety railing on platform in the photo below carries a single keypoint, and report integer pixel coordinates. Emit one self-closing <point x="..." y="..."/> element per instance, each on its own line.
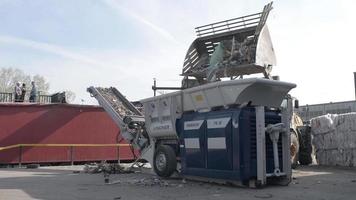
<point x="8" y="97"/>
<point x="229" y="25"/>
<point x="70" y="146"/>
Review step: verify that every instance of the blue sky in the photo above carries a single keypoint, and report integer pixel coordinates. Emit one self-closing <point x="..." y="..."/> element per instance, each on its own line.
<point x="76" y="44"/>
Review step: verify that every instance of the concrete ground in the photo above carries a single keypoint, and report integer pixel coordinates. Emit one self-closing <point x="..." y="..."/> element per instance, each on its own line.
<point x="317" y="183"/>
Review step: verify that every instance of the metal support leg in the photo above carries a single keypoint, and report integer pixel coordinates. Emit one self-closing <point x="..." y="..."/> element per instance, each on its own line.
<point x="20" y="156"/>
<point x="71" y="156"/>
<point x="118" y="154"/>
<point x="274" y="131"/>
<point x="261" y="145"/>
<point x="148" y="153"/>
<point x="286" y="119"/>
<point x="277" y="171"/>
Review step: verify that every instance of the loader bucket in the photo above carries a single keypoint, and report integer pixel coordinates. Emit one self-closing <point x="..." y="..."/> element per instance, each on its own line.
<point x="231" y="48"/>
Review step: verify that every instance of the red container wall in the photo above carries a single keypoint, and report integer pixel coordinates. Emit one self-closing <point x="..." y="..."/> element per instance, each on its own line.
<point x="58" y="124"/>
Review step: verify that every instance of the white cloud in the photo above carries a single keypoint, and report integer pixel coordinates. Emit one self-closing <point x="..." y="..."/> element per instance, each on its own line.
<point x="50" y="48"/>
<point x="161" y="31"/>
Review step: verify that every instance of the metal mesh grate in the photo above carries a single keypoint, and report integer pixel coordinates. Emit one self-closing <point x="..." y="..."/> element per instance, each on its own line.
<point x="242" y="31"/>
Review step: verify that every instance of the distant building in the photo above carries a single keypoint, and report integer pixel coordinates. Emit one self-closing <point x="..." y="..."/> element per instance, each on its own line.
<point x="309" y="111"/>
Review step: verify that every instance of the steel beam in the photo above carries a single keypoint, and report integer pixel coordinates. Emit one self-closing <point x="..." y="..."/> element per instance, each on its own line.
<point x="287" y="114"/>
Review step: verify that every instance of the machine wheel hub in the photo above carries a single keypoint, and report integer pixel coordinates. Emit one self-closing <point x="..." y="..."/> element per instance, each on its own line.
<point x="161" y="161"/>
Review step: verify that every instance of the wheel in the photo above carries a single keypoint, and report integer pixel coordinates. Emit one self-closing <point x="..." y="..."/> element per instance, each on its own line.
<point x="294" y="149"/>
<point x="305" y="149"/>
<point x="164" y="161"/>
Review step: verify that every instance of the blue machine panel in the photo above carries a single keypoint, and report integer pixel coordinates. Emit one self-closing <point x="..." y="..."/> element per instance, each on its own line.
<point x="219" y="141"/>
<point x="194" y="142"/>
<point x="222" y="144"/>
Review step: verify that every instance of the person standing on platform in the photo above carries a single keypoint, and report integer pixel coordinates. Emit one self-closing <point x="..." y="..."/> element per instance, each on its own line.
<point x="18" y="92"/>
<point x="23" y="92"/>
<point x="33" y="93"/>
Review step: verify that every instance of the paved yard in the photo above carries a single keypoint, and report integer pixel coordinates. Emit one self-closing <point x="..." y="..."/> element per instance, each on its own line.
<point x="315" y="183"/>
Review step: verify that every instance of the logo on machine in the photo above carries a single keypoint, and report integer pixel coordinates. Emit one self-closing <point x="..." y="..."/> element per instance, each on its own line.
<point x="218" y="123"/>
<point x="193" y="125"/>
<point x="199" y="98"/>
<point x="161" y="127"/>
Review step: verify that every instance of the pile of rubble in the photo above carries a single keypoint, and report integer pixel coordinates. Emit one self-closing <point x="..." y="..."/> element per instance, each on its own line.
<point x="151" y="182"/>
<point x="113" y="168"/>
<point x="119" y="107"/>
<point x="229" y="53"/>
<point x="334" y="139"/>
<point x="232" y="52"/>
<point x="106" y="168"/>
<point x="238" y="53"/>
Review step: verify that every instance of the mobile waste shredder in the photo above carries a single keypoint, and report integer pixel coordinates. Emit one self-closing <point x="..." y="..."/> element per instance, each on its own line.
<point x="233" y="131"/>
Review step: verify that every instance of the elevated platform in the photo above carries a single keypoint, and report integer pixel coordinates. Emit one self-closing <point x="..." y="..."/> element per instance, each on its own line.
<point x="25" y="123"/>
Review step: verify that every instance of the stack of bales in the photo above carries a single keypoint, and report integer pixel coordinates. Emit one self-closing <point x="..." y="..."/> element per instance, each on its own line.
<point x="334" y="139"/>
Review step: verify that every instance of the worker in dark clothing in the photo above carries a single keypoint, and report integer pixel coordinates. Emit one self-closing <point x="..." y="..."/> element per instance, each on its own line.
<point x="18" y="92"/>
<point x="33" y="93"/>
<point x="23" y="92"/>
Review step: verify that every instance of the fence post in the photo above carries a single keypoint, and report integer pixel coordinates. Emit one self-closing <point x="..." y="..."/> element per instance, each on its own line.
<point x="71" y="156"/>
<point x="20" y="156"/>
<point x="118" y="154"/>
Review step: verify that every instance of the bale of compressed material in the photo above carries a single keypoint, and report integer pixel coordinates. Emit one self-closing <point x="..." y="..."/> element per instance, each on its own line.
<point x="334" y="139"/>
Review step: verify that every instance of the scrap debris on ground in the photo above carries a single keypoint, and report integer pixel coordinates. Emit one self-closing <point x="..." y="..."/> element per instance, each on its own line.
<point x="312" y="182"/>
<point x="151" y="181"/>
<point x="109" y="168"/>
<point x="114" y="168"/>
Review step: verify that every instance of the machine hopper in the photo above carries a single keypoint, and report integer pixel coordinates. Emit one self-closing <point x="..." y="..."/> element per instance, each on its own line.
<point x="231" y="48"/>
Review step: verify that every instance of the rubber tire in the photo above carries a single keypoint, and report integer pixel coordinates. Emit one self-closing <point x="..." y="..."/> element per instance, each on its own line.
<point x="306" y="148"/>
<point x="171" y="161"/>
<point x="294" y="145"/>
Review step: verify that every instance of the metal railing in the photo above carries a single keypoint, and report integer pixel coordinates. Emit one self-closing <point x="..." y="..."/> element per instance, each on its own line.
<point x="8" y="97"/>
<point x="70" y="146"/>
<point x="254" y="20"/>
<point x="229" y="25"/>
<point x="44" y="99"/>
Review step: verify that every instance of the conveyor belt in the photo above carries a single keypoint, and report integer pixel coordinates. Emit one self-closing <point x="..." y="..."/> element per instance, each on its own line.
<point x="115" y="104"/>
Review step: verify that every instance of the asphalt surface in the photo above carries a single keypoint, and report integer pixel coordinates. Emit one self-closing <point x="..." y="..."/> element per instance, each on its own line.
<point x="313" y="182"/>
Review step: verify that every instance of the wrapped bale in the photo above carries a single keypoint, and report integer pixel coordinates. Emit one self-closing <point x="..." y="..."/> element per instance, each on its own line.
<point x="334" y="139"/>
<point x="322" y="124"/>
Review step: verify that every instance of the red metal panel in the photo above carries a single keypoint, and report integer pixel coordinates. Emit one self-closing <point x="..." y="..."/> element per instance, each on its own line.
<point x="57" y="124"/>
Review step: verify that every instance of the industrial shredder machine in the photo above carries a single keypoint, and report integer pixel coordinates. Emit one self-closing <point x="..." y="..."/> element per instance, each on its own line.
<point x="221" y="126"/>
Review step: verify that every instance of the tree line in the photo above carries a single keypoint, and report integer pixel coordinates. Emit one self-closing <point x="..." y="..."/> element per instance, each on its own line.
<point x="10" y="76"/>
